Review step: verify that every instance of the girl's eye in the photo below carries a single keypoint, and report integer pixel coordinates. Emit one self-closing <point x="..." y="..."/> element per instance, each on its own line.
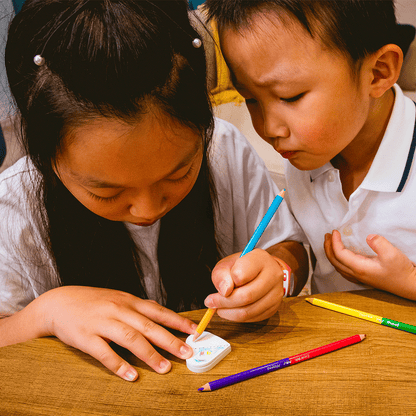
<point x="292" y="99"/>
<point x="103" y="199"/>
<point x="184" y="178"/>
<point x="251" y="101"/>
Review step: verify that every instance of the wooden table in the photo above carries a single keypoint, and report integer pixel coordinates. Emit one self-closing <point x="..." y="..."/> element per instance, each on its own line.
<point x="374" y="377"/>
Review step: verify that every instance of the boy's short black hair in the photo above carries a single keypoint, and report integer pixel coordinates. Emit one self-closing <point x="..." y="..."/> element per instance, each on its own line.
<point x="356" y="28"/>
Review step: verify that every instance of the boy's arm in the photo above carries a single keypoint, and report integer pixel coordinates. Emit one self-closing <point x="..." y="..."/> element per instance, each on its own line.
<point x="295" y="255"/>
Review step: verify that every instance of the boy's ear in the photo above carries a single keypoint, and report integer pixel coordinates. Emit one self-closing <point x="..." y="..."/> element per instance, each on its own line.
<point x="386" y="64"/>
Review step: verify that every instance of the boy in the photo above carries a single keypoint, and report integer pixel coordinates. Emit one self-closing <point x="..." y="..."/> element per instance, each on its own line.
<point x="319" y="80"/>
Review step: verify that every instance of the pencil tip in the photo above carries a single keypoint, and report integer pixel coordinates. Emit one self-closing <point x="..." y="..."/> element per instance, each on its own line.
<point x="196" y="336"/>
<point x="362" y="336"/>
<point x="310" y="300"/>
<point x="282" y="194"/>
<point x="201" y="389"/>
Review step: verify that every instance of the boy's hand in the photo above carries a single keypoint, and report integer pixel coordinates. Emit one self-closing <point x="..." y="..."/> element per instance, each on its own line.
<point x="89" y="318"/>
<point x="389" y="270"/>
<point x="250" y="287"/>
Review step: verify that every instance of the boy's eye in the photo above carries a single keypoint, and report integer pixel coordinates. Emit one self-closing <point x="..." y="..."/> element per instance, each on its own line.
<point x="292" y="99"/>
<point x="251" y="101"/>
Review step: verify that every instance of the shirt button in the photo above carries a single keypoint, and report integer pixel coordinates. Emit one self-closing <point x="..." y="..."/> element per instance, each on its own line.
<point x="347" y="231"/>
<point x="331" y="177"/>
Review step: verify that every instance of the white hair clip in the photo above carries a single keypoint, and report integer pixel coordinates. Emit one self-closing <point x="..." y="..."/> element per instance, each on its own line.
<point x="39" y="60"/>
<point x="197" y="43"/>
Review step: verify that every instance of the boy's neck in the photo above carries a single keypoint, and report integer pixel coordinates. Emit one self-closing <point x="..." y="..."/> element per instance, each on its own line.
<point x="355" y="160"/>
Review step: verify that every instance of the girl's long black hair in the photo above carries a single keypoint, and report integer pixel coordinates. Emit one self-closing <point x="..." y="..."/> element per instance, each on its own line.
<point x="112" y="58"/>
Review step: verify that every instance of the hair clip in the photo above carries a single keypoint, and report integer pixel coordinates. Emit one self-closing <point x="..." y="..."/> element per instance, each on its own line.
<point x="39" y="60"/>
<point x="196" y="43"/>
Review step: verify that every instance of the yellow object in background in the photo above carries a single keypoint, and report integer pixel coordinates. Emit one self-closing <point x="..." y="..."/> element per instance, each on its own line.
<point x="224" y="92"/>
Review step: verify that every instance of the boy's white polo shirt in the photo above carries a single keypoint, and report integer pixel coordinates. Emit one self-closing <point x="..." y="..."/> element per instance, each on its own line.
<point x="384" y="203"/>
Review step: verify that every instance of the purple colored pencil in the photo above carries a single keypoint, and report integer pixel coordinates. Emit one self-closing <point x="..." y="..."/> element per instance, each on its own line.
<point x="276" y="365"/>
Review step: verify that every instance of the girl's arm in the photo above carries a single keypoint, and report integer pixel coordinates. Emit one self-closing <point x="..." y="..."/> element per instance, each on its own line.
<point x="22" y="326"/>
<point x="90" y="318"/>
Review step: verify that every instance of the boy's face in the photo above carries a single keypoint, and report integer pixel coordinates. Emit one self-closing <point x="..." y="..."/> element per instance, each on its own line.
<point x="302" y="98"/>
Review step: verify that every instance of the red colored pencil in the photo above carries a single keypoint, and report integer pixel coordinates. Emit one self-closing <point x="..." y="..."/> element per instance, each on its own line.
<point x="285" y="362"/>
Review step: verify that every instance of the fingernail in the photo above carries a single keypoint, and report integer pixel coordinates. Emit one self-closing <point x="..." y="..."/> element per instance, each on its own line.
<point x="223" y="286"/>
<point x="164" y="365"/>
<point x="208" y="302"/>
<point x="130" y="374"/>
<point x="194" y="327"/>
<point x="186" y="352"/>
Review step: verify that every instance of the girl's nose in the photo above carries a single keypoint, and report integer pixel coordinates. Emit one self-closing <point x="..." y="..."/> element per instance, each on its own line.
<point x="148" y="206"/>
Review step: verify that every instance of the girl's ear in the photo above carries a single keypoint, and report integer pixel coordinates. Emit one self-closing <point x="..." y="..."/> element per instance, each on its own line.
<point x="386" y="64"/>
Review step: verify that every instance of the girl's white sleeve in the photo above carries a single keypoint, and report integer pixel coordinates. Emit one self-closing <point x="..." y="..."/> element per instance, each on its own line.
<point x="25" y="269"/>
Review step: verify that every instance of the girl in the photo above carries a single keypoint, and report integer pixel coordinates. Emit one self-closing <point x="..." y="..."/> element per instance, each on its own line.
<point x="124" y="203"/>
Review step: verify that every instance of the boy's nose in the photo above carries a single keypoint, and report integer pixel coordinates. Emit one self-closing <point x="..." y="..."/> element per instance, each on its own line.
<point x="274" y="127"/>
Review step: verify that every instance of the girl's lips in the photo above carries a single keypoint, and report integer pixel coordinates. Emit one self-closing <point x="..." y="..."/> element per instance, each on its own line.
<point x="144" y="224"/>
<point x="288" y="155"/>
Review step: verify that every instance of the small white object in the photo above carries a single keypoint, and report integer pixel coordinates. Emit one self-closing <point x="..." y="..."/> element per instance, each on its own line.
<point x="196" y="43"/>
<point x="39" y="60"/>
<point x="209" y="350"/>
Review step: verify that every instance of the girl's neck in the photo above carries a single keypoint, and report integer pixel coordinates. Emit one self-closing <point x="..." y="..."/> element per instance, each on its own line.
<point x="355" y="160"/>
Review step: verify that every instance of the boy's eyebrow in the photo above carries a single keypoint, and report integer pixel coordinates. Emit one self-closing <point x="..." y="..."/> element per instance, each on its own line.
<point x="265" y="81"/>
<point x="92" y="182"/>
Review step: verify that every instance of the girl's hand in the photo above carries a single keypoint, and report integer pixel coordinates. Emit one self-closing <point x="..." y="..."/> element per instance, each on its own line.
<point x="389" y="270"/>
<point x="250" y="287"/>
<point x="89" y="318"/>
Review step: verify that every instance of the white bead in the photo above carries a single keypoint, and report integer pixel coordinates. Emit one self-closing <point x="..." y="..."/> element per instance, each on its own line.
<point x="39" y="60"/>
<point x="196" y="43"/>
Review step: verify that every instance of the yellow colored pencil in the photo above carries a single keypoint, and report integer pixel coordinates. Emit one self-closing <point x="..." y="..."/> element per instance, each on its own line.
<point x="364" y="315"/>
<point x="343" y="309"/>
<point x="204" y="323"/>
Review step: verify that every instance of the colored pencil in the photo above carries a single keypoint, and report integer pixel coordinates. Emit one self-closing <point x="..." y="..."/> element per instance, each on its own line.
<point x="250" y="246"/>
<point x="363" y="315"/>
<point x="277" y="365"/>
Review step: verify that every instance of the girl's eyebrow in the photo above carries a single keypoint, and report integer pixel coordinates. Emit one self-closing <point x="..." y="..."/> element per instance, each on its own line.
<point x="91" y="182"/>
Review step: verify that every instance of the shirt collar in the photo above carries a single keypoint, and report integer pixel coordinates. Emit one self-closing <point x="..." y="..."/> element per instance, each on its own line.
<point x="320" y="171"/>
<point x="389" y="168"/>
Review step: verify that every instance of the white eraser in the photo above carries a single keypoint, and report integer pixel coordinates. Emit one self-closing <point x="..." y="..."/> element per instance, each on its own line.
<point x="209" y="350"/>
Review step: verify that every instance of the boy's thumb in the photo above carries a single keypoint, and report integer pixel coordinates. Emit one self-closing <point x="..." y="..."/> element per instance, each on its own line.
<point x="378" y="243"/>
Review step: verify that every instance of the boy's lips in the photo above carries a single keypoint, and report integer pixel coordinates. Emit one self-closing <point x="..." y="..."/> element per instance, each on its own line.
<point x="287" y="154"/>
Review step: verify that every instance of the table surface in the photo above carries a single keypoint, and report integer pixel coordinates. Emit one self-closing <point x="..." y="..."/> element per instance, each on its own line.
<point x="374" y="377"/>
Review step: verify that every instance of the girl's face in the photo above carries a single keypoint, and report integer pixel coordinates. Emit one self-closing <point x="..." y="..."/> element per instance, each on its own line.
<point x="302" y="98"/>
<point x="133" y="173"/>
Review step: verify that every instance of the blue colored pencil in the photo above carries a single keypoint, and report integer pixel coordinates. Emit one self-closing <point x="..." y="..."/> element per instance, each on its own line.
<point x="250" y="245"/>
<point x="276" y="365"/>
<point x="264" y="223"/>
